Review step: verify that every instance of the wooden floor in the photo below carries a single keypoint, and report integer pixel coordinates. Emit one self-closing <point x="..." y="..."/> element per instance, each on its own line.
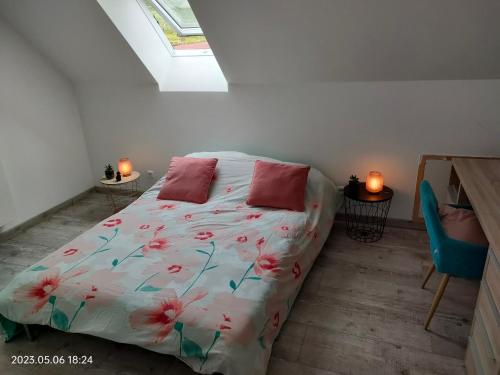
<point x="361" y="310"/>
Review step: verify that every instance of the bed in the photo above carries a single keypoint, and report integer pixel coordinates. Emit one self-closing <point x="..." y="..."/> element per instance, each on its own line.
<point x="211" y="284"/>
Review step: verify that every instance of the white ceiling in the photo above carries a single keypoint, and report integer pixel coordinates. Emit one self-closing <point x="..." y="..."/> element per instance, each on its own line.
<point x="266" y="41"/>
<point x="261" y="41"/>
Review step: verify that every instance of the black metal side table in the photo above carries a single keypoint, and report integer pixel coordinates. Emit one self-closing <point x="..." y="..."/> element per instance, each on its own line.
<point x="365" y="212"/>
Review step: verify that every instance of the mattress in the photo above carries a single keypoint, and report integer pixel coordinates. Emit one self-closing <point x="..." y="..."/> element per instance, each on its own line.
<point x="211" y="284"/>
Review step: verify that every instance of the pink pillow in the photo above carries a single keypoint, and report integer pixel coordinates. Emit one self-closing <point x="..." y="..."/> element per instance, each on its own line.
<point x="278" y="185"/>
<point x="188" y="179"/>
<point x="462" y="224"/>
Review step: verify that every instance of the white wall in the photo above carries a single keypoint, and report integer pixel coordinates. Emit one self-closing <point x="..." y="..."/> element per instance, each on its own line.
<point x="42" y="146"/>
<point x="340" y="128"/>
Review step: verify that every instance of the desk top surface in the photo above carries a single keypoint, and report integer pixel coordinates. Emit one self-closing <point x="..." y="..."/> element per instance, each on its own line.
<point x="480" y="179"/>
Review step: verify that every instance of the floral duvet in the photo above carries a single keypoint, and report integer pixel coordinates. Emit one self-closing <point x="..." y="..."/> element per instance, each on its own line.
<point x="211" y="284"/>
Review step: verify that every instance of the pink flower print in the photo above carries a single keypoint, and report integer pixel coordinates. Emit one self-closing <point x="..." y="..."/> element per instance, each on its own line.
<point x="242" y="239"/>
<point x="168" y="206"/>
<point x="226" y="322"/>
<point x="216" y="211"/>
<point x="260" y="242"/>
<point x="110" y="223"/>
<point x="162" y="316"/>
<point x="92" y="293"/>
<point x="47" y="285"/>
<point x="313" y="233"/>
<point x="145" y="226"/>
<point x="266" y="263"/>
<point x="229" y="189"/>
<point x="276" y="319"/>
<point x="174" y="268"/>
<point x="100" y="288"/>
<point x="296" y="270"/>
<point x="204" y="235"/>
<point x="239" y="206"/>
<point x="254" y="216"/>
<point x="230" y="315"/>
<point x="156" y="244"/>
<point x="188" y="217"/>
<point x="181" y="271"/>
<point x="70" y="252"/>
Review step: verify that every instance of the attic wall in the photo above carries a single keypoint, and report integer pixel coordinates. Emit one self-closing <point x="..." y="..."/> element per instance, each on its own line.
<point x="42" y="147"/>
<point x="340" y="128"/>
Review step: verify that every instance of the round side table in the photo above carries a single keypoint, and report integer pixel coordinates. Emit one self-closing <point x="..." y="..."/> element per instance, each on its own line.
<point x="366" y="213"/>
<point x="127" y="186"/>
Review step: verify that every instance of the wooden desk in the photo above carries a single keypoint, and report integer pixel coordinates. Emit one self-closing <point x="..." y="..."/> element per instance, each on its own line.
<point x="480" y="179"/>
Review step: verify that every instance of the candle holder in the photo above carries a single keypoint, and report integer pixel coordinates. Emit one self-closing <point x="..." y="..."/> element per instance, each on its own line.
<point x="374" y="182"/>
<point x="125" y="167"/>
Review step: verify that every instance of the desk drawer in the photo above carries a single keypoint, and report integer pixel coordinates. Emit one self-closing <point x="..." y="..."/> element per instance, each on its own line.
<point x="471" y="361"/>
<point x="492" y="277"/>
<point x="490" y="317"/>
<point x="481" y="342"/>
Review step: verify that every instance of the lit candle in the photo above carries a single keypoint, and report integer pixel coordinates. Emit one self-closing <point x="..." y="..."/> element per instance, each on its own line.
<point x="125" y="167"/>
<point x="374" y="182"/>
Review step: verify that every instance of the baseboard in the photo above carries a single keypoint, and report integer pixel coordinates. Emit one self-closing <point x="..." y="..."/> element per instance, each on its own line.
<point x="395" y="223"/>
<point x="9" y="233"/>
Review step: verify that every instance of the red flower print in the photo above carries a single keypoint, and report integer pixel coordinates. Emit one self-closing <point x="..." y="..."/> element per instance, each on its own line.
<point x="204" y="235"/>
<point x="266" y="262"/>
<point x="188" y="217"/>
<point x="260" y="242"/>
<point x="175" y="268"/>
<point x="285" y="227"/>
<point x="91" y="295"/>
<point x="145" y="226"/>
<point x="47" y="285"/>
<point x="44" y="288"/>
<point x="315" y="205"/>
<point x="276" y="319"/>
<point x="167" y="207"/>
<point x="254" y="216"/>
<point x="226" y="324"/>
<point x="162" y="318"/>
<point x="70" y="252"/>
<point x="157" y="244"/>
<point x="112" y="223"/>
<point x="242" y="239"/>
<point x="296" y="270"/>
<point x="229" y="189"/>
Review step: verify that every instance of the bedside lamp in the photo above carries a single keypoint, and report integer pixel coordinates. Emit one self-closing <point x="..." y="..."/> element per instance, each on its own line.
<point x="374" y="182"/>
<point x="125" y="167"/>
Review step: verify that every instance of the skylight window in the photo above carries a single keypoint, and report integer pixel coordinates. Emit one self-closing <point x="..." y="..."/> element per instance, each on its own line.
<point x="178" y="25"/>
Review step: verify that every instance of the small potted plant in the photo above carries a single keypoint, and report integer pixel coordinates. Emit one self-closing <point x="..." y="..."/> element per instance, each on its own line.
<point x="109" y="172"/>
<point x="353" y="183"/>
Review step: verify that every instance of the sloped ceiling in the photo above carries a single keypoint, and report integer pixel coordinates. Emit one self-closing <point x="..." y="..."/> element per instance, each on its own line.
<point x="277" y="41"/>
<point x="78" y="37"/>
<point x="262" y="41"/>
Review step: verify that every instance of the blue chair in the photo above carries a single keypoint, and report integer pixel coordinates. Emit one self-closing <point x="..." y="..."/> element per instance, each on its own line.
<point x="449" y="256"/>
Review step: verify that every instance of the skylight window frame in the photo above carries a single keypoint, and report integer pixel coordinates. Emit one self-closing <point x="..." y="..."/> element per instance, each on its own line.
<point x="174" y="52"/>
<point x="163" y="9"/>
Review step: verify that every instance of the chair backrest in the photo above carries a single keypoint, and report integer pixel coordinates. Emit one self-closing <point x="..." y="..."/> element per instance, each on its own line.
<point x="430" y="211"/>
<point x="451" y="256"/>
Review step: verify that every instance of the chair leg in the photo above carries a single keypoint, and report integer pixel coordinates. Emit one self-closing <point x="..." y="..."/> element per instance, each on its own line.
<point x="429" y="274"/>
<point x="437" y="299"/>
